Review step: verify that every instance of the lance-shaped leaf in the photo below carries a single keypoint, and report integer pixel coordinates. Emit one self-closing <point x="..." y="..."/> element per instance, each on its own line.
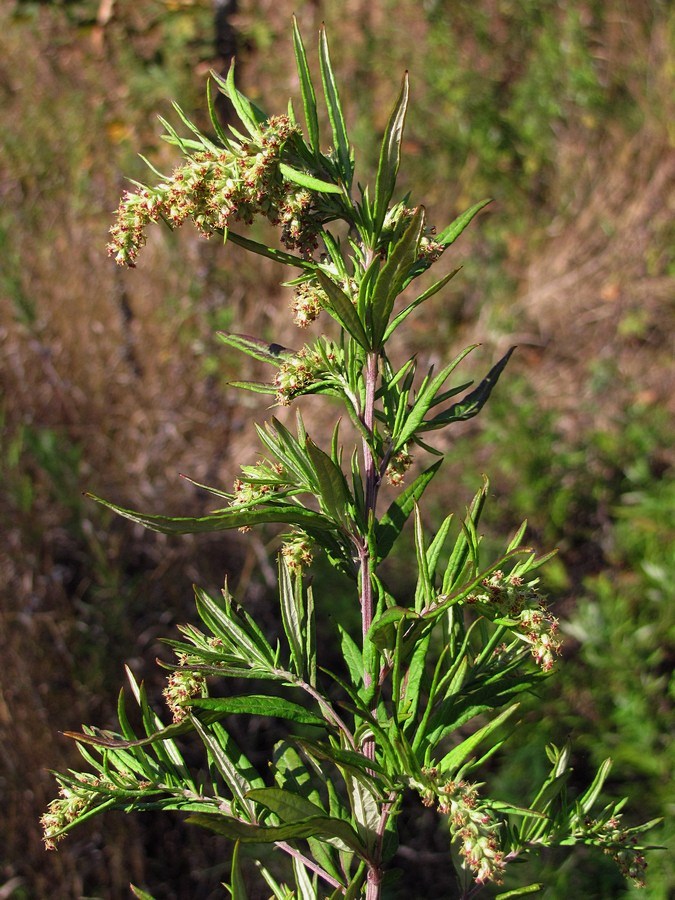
<point x="316" y="826"/>
<point x="275" y="354"/>
<point x="222" y="520"/>
<point x="259" y="705"/>
<point x="306" y="89"/>
<point x="472" y="404"/>
<point x="390" y="156"/>
<point x="452" y="761"/>
<point x="309" y="181"/>
<point x="288" y="259"/>
<point x="403" y="315"/>
<point x="425" y="398"/>
<point x="460" y="552"/>
<point x="450" y="234"/>
<point x="292" y="614"/>
<point x="341" y="308"/>
<point x="382" y="632"/>
<point x="391" y="524"/>
<point x="235" y="768"/>
<point x="333" y="493"/>
<point x="392" y="276"/>
<point x="335" y="114"/>
<point x="249" y="114"/>
<point x="237" y="883"/>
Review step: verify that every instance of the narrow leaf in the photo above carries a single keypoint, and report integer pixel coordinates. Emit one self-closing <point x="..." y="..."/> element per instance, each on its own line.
<point x="306" y="89"/>
<point x="258" y="349"/>
<point x="450" y="234"/>
<point x="454" y="759"/>
<point x="333" y="493"/>
<point x="237" y="884"/>
<point x="390" y="156"/>
<point x="309" y="181"/>
<point x="335" y="114"/>
<point x="472" y="404"/>
<point x="393" y="274"/>
<point x="259" y="705"/>
<point x="234" y="517"/>
<point x="342" y="309"/>
<point x="392" y="522"/>
<point x="317" y="826"/>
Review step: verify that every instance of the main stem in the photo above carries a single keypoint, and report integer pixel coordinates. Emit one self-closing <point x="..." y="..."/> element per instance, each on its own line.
<point x="374" y="877"/>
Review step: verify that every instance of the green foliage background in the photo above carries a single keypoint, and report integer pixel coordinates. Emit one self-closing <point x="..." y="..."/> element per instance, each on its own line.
<point x="560" y="111"/>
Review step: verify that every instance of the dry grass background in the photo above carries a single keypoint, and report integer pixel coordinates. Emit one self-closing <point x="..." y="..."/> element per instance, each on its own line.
<point x="113" y="381"/>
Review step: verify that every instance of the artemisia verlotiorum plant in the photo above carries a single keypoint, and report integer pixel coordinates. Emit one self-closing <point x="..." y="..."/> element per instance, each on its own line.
<point x="428" y="690"/>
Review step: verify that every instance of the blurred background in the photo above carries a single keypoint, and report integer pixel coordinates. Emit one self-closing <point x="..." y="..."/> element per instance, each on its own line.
<point x="113" y="381"/>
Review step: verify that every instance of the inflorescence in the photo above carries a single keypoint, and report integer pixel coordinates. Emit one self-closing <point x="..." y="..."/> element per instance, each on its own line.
<point x="218" y="186"/>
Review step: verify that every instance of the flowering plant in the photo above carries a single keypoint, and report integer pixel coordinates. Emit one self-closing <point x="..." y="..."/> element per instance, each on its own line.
<point x="426" y="691"/>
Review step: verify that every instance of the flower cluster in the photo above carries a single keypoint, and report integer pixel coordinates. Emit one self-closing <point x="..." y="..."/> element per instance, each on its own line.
<point x="519" y="605"/>
<point x="297" y="552"/>
<point x="181" y="686"/>
<point x="218" y="186"/>
<point x="297" y="375"/>
<point x="72" y="802"/>
<point x="397" y="467"/>
<point x="307" y="303"/>
<point x="471" y="823"/>
<point x="620" y="845"/>
<point x="257" y="483"/>
<point x="396" y="221"/>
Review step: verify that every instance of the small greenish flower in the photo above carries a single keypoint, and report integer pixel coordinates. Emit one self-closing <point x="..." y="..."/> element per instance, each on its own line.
<point x="182" y="685"/>
<point x="398" y="466"/>
<point x="298" y="552"/>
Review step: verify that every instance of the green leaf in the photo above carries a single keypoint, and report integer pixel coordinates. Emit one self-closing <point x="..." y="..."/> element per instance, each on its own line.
<point x="140" y="894"/>
<point x="259" y="705"/>
<point x="520" y="892"/>
<point x="424" y="590"/>
<point x="237" y="885"/>
<point x="366" y="810"/>
<point x="335" y="115"/>
<point x="291" y="614"/>
<point x="460" y="552"/>
<point x="250" y="116"/>
<point x="213" y="115"/>
<point x="306" y="89"/>
<point x="342" y="309"/>
<point x="382" y="632"/>
<point x="343" y="759"/>
<point x="258" y="349"/>
<point x="450" y="234"/>
<point x="425" y="399"/>
<point x="456" y="757"/>
<point x="403" y="315"/>
<point x="333" y="494"/>
<point x="391" y="524"/>
<point x="390" y="156"/>
<point x="316" y="826"/>
<point x="234" y="517"/>
<point x="235" y="769"/>
<point x="392" y="276"/>
<point x="309" y="181"/>
<point x="289" y="806"/>
<point x="472" y="404"/>
<point x="352" y="656"/>
<point x="288" y="259"/>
